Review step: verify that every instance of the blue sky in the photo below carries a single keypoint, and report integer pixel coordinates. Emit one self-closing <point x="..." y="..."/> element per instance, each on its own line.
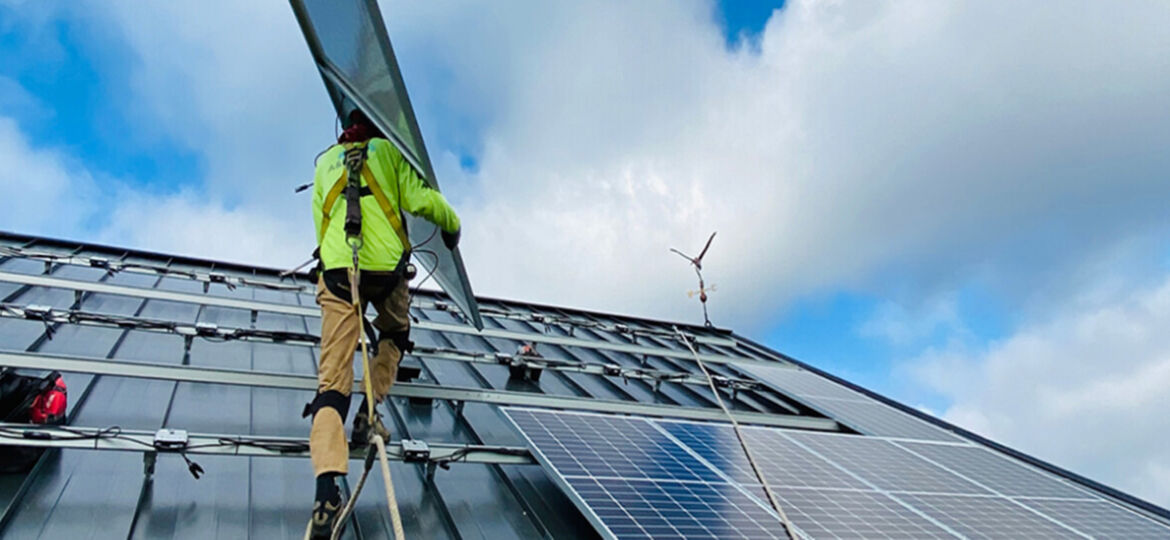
<point x="970" y="222"/>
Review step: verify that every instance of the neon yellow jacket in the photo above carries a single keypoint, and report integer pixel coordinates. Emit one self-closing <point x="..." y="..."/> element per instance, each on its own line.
<point x="381" y="248"/>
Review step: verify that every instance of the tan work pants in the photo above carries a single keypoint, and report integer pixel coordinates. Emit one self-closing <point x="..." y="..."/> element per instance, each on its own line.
<point x="340" y="329"/>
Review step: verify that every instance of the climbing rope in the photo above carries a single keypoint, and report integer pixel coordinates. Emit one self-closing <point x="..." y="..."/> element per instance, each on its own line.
<point x="772" y="499"/>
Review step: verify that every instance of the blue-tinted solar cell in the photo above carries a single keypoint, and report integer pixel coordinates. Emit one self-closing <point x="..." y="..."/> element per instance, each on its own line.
<point x="663" y="509"/>
<point x="609" y="446"/>
<point x="782" y="462"/>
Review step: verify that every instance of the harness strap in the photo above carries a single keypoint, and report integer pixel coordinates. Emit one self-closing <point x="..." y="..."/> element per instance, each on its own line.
<point x="327" y="208"/>
<point x="384" y="203"/>
<point x="355" y="162"/>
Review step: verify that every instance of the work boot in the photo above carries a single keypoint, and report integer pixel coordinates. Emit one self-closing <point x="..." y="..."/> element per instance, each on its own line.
<point x="363" y="429"/>
<point x="326" y="507"/>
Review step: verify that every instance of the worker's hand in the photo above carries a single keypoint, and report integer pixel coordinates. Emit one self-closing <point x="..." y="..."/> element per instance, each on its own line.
<point x="451" y="239"/>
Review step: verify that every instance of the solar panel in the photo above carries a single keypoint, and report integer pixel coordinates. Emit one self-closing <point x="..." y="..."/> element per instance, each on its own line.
<point x="655" y="478"/>
<point x="884" y="465"/>
<point x="803" y="383"/>
<point x="782" y="461"/>
<point x="995" y="471"/>
<point x="1100" y="519"/>
<point x="851" y="408"/>
<point x="854" y="514"/>
<point x="986" y="517"/>
<point x="666" y="509"/>
<point x="633" y="481"/>
<point x="609" y="446"/>
<point x="874" y="418"/>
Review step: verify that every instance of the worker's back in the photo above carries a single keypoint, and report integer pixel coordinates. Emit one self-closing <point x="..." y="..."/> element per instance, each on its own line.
<point x="401" y="188"/>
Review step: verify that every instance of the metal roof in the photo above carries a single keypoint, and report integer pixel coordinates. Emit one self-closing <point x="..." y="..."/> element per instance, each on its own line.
<point x="226" y="352"/>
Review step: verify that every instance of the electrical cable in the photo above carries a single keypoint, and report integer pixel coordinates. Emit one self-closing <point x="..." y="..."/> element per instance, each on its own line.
<point x="772" y="500"/>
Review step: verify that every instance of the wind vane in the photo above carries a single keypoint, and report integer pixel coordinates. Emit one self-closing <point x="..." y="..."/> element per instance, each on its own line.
<point x="697" y="263"/>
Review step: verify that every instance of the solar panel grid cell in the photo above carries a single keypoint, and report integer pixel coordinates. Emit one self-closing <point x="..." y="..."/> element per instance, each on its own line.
<point x="580" y="445"/>
<point x="782" y="462"/>
<point x="1100" y="519"/>
<point x="804" y="383"/>
<point x="875" y="418"/>
<point x="994" y="471"/>
<point x="854" y="514"/>
<point x="883" y="464"/>
<point x="986" y="517"/>
<point x="666" y="509"/>
<point x="851" y="408"/>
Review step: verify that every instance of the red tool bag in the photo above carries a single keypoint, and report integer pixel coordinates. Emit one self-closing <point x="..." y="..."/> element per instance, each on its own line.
<point x="29" y="400"/>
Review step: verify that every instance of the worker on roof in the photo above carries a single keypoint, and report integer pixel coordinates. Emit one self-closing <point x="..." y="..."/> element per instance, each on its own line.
<point x="389" y="185"/>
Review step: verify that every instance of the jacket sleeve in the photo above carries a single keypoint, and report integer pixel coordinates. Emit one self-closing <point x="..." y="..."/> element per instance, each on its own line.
<point x="318" y="201"/>
<point x="415" y="196"/>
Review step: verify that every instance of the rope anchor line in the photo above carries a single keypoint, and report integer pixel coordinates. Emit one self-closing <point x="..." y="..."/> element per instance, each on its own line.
<point x="772" y="499"/>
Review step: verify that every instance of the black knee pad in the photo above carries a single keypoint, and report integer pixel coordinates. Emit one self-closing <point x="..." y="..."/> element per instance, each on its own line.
<point x="329" y="398"/>
<point x="400" y="339"/>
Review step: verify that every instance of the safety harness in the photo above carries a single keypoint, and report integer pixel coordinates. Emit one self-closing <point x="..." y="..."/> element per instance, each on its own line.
<point x="350" y="183"/>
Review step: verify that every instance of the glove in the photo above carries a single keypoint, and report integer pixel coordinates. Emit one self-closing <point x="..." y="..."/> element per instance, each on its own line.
<point x="451" y="239"/>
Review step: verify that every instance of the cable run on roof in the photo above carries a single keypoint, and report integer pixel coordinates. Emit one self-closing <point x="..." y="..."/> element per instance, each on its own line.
<point x="216" y="333"/>
<point x="307" y="311"/>
<point x="259" y="379"/>
<point x="111" y="266"/>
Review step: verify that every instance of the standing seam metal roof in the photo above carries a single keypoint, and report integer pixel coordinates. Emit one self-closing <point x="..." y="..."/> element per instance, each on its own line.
<point x="100" y="494"/>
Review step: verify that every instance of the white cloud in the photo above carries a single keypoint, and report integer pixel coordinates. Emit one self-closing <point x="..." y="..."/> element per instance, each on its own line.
<point x="60" y="196"/>
<point x="868" y="143"/>
<point x="901" y="325"/>
<point x="1086" y="390"/>
<point x="865" y="144"/>
<point x="49" y="193"/>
